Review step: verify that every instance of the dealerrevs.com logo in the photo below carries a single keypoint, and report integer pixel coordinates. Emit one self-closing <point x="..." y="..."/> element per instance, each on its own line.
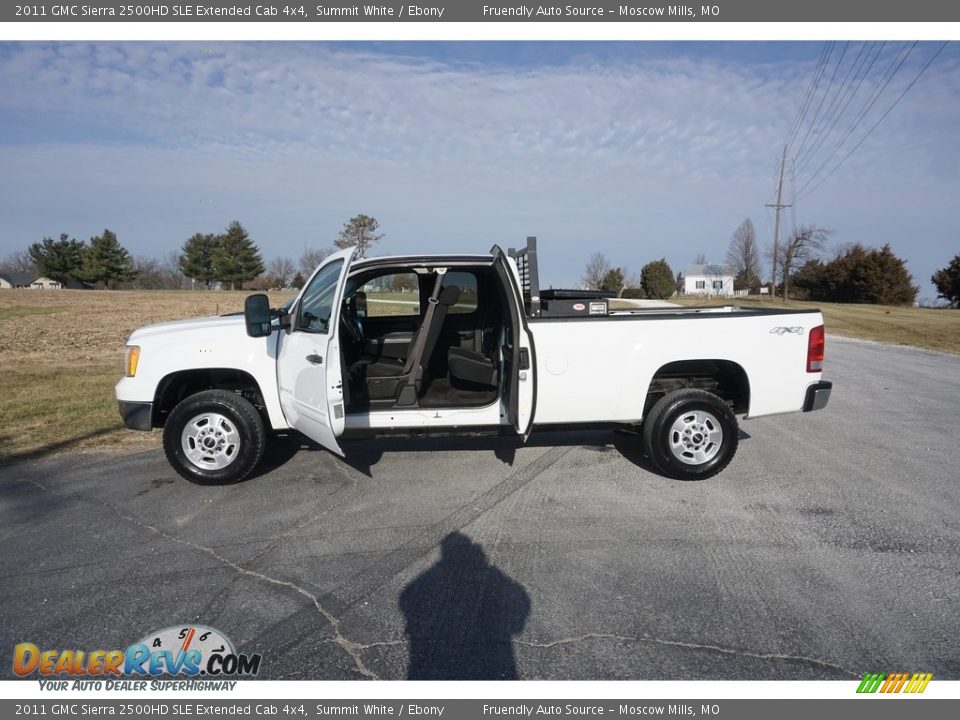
<point x="190" y="651"/>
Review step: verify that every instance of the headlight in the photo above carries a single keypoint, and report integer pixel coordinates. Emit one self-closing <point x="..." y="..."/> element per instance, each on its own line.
<point x="133" y="357"/>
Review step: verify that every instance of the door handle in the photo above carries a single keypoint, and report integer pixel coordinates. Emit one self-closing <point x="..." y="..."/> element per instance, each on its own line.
<point x="315" y="359"/>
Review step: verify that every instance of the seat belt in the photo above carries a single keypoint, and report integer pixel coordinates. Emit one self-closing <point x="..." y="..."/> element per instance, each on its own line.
<point x="413" y="369"/>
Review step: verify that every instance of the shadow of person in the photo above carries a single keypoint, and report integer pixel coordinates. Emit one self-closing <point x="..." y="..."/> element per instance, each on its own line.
<point x="461" y="614"/>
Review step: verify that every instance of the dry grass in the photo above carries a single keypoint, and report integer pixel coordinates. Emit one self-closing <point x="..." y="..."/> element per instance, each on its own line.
<point x="917" y="327"/>
<point x="61" y="352"/>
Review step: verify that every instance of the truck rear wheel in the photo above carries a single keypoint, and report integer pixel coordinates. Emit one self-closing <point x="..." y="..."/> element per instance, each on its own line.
<point x="690" y="434"/>
<point x="214" y="437"/>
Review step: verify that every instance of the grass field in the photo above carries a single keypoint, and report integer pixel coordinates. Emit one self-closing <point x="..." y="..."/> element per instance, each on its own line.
<point x="61" y="352"/>
<point x="918" y="327"/>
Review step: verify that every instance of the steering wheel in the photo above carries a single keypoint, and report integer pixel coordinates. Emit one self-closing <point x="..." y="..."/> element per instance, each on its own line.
<point x="352" y="324"/>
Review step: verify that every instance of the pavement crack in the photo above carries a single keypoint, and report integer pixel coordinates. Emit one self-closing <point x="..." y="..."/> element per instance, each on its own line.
<point x="349" y="646"/>
<point x="350" y="477"/>
<point x="689" y="646"/>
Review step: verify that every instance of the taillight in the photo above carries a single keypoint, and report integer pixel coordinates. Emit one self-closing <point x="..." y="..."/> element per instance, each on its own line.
<point x="815" y="345"/>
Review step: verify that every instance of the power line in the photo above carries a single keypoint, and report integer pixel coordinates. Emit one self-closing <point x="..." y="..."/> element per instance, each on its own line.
<point x="811" y="89"/>
<point x="888" y="76"/>
<point x="816" y="114"/>
<point x="859" y="75"/>
<point x="899" y="98"/>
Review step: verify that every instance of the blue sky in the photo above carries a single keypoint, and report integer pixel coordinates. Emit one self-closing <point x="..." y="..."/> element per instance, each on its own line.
<point x="640" y="150"/>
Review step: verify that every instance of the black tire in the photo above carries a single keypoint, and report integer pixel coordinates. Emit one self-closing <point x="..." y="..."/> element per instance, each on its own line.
<point x="692" y="450"/>
<point x="241" y="423"/>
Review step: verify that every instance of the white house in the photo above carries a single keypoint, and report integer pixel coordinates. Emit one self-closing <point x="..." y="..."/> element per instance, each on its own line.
<point x="709" y="279"/>
<point x="45" y="283"/>
<point x="28" y="280"/>
<point x="15" y="279"/>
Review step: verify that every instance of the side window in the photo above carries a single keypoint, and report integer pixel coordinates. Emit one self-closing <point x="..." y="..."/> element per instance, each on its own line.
<point x="317" y="302"/>
<point x="392" y="295"/>
<point x="467" y="282"/>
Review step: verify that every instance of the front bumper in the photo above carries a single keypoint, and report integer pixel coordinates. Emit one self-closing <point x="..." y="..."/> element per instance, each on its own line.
<point x="136" y="415"/>
<point x="818" y="395"/>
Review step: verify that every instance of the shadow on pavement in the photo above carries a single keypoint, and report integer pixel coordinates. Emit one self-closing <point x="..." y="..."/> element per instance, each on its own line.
<point x="364" y="454"/>
<point x="461" y="614"/>
<point x="39" y="452"/>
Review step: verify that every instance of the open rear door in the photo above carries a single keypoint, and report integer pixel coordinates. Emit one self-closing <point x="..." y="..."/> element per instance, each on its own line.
<point x="520" y="388"/>
<point x="309" y="373"/>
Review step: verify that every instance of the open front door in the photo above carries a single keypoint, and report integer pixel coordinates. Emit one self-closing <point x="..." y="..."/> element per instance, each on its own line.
<point x="520" y="382"/>
<point x="309" y="373"/>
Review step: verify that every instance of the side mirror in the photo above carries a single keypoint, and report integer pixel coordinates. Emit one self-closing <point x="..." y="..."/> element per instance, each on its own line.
<point x="256" y="312"/>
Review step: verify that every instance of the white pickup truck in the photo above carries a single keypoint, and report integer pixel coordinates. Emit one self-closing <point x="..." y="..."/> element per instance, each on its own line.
<point x="464" y="343"/>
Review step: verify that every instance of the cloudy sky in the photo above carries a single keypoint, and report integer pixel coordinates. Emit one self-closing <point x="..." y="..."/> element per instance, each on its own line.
<point x="640" y="150"/>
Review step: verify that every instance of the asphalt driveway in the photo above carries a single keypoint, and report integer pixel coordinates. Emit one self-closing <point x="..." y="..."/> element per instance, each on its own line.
<point x="827" y="549"/>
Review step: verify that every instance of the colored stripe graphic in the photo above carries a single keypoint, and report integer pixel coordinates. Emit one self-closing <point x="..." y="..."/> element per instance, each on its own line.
<point x="870" y="682"/>
<point x="918" y="683"/>
<point x="894" y="682"/>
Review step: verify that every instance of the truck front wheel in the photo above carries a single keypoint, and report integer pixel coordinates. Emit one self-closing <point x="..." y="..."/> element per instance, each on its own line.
<point x="690" y="434"/>
<point x="214" y="437"/>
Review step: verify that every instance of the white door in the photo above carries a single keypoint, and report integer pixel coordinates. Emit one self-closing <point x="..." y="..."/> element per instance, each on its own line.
<point x="308" y="356"/>
<point x="521" y="385"/>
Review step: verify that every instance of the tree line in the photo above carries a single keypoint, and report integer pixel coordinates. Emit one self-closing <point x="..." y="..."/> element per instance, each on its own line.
<point x="854" y="274"/>
<point x="230" y="259"/>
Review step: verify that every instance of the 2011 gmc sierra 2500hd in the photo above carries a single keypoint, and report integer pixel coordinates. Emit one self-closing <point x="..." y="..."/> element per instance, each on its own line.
<point x="464" y="343"/>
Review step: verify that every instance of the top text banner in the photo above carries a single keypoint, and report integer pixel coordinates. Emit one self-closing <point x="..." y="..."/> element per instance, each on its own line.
<point x="892" y="11"/>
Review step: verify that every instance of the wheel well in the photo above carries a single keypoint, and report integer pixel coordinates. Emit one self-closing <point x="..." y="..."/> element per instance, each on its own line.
<point x="179" y="385"/>
<point x="724" y="378"/>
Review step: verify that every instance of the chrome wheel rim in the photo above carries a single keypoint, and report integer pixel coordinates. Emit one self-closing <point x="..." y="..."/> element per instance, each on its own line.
<point x="696" y="437"/>
<point x="210" y="441"/>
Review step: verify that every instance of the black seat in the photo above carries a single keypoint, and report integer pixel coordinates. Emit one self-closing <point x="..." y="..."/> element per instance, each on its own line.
<point x="471" y="366"/>
<point x="384" y="376"/>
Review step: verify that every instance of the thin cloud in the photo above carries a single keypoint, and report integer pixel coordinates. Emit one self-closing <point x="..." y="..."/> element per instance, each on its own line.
<point x="641" y="157"/>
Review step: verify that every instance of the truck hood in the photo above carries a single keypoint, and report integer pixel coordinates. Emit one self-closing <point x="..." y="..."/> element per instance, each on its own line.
<point x="195" y="325"/>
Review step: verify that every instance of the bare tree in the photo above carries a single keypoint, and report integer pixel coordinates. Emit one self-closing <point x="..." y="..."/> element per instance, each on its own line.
<point x="744" y="255"/>
<point x="170" y="268"/>
<point x="311" y="258"/>
<point x="282" y="270"/>
<point x="806" y="243"/>
<point x="18" y="262"/>
<point x="597" y="268"/>
<point x="700" y="259"/>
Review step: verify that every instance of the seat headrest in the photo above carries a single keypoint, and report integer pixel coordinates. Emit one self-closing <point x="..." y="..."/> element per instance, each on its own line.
<point x="449" y="295"/>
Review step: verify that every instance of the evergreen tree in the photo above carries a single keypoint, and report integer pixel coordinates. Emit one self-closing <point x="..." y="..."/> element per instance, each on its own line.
<point x="859" y="275"/>
<point x="361" y="232"/>
<point x="298" y="281"/>
<point x="107" y="261"/>
<point x="196" y="260"/>
<point x="657" y="279"/>
<point x="236" y="259"/>
<point x="947" y="281"/>
<point x="613" y="281"/>
<point x="58" y="259"/>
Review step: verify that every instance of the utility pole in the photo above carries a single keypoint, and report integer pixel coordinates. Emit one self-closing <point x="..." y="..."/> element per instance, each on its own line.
<point x="776" y="225"/>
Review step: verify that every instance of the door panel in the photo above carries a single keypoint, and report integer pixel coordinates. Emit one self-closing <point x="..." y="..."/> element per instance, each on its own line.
<point x="521" y="383"/>
<point x="308" y="356"/>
